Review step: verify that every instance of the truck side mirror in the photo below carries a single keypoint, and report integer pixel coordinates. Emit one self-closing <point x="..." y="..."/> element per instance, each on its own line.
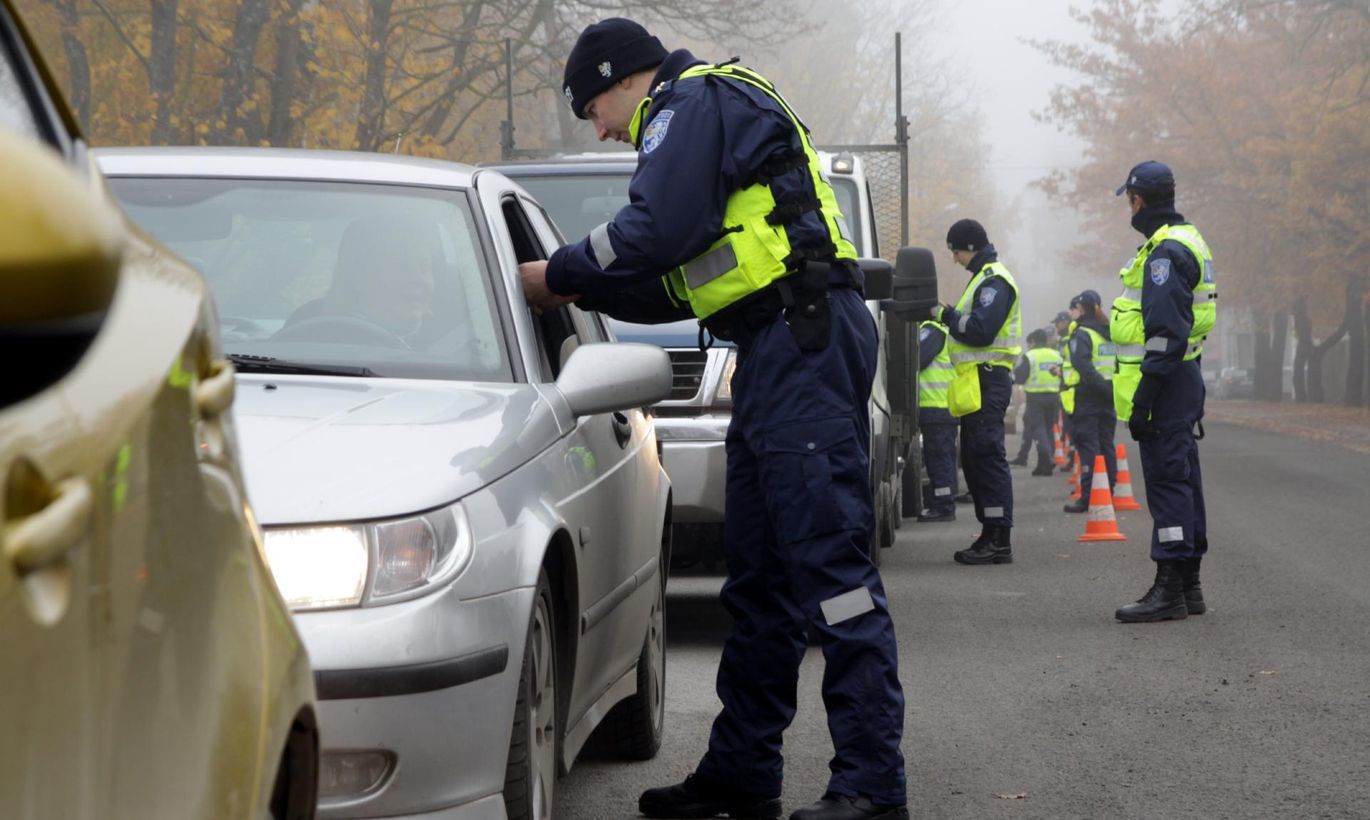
<point x="914" y="285"/>
<point x="879" y="276"/>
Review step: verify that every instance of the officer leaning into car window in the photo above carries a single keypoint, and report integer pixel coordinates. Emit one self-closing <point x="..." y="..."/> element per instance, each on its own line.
<point x="732" y="221"/>
<point x="1039" y="372"/>
<point x="936" y="423"/>
<point x="1168" y="306"/>
<point x="1093" y="359"/>
<point x="986" y="329"/>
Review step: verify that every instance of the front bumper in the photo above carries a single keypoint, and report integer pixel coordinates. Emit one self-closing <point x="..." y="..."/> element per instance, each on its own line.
<point x="694" y="454"/>
<point x="431" y="682"/>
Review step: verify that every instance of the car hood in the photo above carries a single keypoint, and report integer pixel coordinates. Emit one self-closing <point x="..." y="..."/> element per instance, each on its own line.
<point x="340" y="449"/>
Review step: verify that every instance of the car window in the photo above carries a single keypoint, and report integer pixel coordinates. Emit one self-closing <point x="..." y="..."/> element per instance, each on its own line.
<point x="849" y="203"/>
<point x="578" y="203"/>
<point x="15" y="112"/>
<point x="383" y="277"/>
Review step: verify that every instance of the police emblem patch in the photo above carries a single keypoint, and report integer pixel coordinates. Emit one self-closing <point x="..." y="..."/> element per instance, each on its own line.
<point x="987" y="297"/>
<point x="606" y="68"/>
<point x="656" y="131"/>
<point x="567" y="91"/>
<point x="1160" y="271"/>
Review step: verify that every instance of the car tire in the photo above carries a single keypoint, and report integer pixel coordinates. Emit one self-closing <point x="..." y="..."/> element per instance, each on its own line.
<point x="530" y="772"/>
<point x="634" y="728"/>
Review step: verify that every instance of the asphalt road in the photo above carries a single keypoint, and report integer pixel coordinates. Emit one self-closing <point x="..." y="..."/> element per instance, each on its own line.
<point x="1025" y="699"/>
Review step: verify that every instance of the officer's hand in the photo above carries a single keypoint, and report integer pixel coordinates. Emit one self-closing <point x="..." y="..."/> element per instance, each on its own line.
<point x="533" y="275"/>
<point x="1139" y="425"/>
<point x="1055" y="371"/>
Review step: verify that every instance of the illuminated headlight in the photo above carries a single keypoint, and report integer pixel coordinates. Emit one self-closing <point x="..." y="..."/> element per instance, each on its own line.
<point x="724" y="394"/>
<point x="841" y="165"/>
<point x="368" y="564"/>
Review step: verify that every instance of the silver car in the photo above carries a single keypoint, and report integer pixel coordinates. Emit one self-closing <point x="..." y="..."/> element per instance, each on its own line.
<point x="462" y="501"/>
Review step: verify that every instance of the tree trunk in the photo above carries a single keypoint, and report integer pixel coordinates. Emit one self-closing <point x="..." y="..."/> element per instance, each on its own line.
<point x="1355" y="337"/>
<point x="287" y="87"/>
<point x="371" y="118"/>
<point x="1303" y="343"/>
<point x="78" y="63"/>
<point x="162" y="67"/>
<point x="240" y="126"/>
<point x="1279" y="338"/>
<point x="1261" y="377"/>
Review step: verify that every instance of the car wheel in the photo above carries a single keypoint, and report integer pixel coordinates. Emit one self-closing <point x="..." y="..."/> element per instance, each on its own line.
<point x="634" y="728"/>
<point x="530" y="774"/>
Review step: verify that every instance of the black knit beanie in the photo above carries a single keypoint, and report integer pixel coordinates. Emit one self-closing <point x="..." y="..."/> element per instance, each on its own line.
<point x="967" y="235"/>
<point x="605" y="53"/>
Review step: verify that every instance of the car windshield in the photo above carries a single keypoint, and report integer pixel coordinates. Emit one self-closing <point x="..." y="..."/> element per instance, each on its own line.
<point x="845" y="190"/>
<point x="385" y="279"/>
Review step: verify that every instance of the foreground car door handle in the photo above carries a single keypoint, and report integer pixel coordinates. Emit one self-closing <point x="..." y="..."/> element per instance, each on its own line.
<point x="42" y="539"/>
<point x="623" y="431"/>
<point x="214" y="393"/>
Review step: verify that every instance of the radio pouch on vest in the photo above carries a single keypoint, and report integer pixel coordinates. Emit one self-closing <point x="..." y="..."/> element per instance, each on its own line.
<point x="807" y="310"/>
<point x="963" y="397"/>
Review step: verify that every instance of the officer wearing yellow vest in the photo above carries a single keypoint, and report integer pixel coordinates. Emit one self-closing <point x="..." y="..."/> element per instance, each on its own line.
<point x="1065" y="328"/>
<point x="1167" y="308"/>
<point x="731" y="221"/>
<point x="1093" y="361"/>
<point x="986" y="328"/>
<point x="1039" y="372"/>
<point x="936" y="423"/>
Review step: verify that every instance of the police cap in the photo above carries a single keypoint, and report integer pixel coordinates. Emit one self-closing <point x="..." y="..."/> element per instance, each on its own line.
<point x="605" y="53"/>
<point x="1087" y="299"/>
<point x="1151" y="179"/>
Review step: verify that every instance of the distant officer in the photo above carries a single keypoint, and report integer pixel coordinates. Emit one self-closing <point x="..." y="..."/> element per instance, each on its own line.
<point x="986" y="329"/>
<point x="732" y="221"/>
<point x="1039" y="372"/>
<point x="1167" y="308"/>
<point x="1093" y="359"/>
<point x="938" y="425"/>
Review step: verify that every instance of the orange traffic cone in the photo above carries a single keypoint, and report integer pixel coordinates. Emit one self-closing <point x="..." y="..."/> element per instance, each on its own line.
<point x="1100" y="524"/>
<point x="1059" y="457"/>
<point x="1124" y="499"/>
<point x="1075" y="479"/>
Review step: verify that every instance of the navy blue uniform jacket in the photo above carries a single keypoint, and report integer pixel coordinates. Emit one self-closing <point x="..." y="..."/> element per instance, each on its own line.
<point x="1169" y="277"/>
<point x="712" y="135"/>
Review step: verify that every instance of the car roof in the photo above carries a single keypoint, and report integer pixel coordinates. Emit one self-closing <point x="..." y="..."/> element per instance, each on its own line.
<point x="285" y="163"/>
<point x="605" y="162"/>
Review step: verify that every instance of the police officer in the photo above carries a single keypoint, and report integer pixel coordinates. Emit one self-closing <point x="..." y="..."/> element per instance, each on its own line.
<point x="1039" y="372"/>
<point x="1167" y="308"/>
<point x="986" y="328"/>
<point x="731" y="221"/>
<point x="1093" y="360"/>
<point x="1065" y="326"/>
<point x="937" y="424"/>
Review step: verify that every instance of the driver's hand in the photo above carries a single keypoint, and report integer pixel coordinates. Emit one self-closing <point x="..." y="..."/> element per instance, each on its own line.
<point x="533" y="275"/>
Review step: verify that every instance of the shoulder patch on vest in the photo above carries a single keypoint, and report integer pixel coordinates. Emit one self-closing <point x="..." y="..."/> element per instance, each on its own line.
<point x="1160" y="271"/>
<point x="987" y="296"/>
<point x="924" y="334"/>
<point x="1074" y="345"/>
<point x="656" y="131"/>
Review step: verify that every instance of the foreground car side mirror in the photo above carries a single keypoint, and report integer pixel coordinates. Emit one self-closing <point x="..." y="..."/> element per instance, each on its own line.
<point x="915" y="285"/>
<point x="59" y="266"/>
<point x="879" y="276"/>
<point x="600" y="378"/>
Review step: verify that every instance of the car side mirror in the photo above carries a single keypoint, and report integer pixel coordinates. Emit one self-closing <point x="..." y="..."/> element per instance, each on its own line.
<point x="60" y="243"/>
<point x="914" y="286"/>
<point x="600" y="378"/>
<point x="879" y="276"/>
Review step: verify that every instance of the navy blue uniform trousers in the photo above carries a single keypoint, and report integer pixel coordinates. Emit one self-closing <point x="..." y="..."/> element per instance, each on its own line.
<point x="1039" y="414"/>
<point x="1170" y="468"/>
<point x="797" y="540"/>
<point x="1094" y="435"/>
<point x="939" y="455"/>
<point x="983" y="459"/>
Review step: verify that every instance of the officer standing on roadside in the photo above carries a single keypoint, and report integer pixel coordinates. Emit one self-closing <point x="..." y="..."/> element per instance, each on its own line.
<point x="1065" y="327"/>
<point x="1167" y="308"/>
<point x="732" y="221"/>
<point x="1093" y="359"/>
<point x="986" y="329"/>
<point x="1039" y="372"/>
<point x="935" y="422"/>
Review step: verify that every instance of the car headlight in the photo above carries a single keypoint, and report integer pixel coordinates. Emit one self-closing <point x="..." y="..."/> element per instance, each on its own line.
<point x="723" y="396"/>
<point x="368" y="564"/>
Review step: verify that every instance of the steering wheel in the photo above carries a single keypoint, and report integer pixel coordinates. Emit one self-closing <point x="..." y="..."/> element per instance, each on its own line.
<point x="348" y="329"/>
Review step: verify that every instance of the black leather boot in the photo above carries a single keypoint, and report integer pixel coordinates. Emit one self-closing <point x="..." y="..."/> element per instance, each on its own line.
<point x="992" y="547"/>
<point x="1080" y="506"/>
<point x="839" y="807"/>
<point x="1163" y="602"/>
<point x="1044" y="468"/>
<point x="934" y="516"/>
<point x="700" y="797"/>
<point x="1193" y="593"/>
<point x="1020" y="461"/>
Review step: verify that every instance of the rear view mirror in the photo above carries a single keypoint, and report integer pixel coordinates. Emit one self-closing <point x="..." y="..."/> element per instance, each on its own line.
<point x="879" y="276"/>
<point x="59" y="265"/>
<point x="915" y="284"/>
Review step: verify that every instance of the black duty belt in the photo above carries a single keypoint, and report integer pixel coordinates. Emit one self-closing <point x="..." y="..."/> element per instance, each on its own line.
<point x="740" y="321"/>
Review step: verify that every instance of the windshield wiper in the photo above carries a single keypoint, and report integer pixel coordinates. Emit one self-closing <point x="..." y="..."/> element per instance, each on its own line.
<point x="247" y="363"/>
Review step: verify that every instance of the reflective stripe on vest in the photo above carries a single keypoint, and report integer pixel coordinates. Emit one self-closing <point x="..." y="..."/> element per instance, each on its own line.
<point x="752" y="251"/>
<point x="1126" y="320"/>
<point x="935" y="379"/>
<point x="1103" y="355"/>
<point x="1007" y="344"/>
<point x="1040" y="378"/>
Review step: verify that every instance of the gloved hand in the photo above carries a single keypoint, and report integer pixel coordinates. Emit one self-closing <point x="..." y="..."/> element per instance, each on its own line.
<point x="1140" y="425"/>
<point x="939" y="313"/>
